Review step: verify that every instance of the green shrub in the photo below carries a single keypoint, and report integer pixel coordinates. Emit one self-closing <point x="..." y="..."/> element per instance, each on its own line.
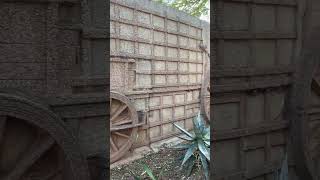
<point x="197" y="148"/>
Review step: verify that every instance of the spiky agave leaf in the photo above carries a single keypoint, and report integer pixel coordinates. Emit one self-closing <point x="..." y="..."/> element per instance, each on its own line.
<point x="205" y="165"/>
<point x="149" y="172"/>
<point x="198" y="125"/>
<point x="284" y="169"/>
<point x="190" y="164"/>
<point x="184" y="131"/>
<point x="203" y="149"/>
<point x="181" y="146"/>
<point x="189" y="152"/>
<point x="185" y="137"/>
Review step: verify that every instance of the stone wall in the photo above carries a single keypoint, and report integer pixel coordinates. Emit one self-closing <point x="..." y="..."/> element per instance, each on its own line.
<point x="155" y="60"/>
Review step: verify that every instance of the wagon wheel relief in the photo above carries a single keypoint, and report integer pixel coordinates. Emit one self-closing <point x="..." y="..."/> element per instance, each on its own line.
<point x="28" y="152"/>
<point x="122" y="121"/>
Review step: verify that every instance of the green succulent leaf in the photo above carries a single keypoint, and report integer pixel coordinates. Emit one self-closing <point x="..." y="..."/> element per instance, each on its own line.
<point x="198" y="125"/>
<point x="189" y="152"/>
<point x="190" y="164"/>
<point x="203" y="149"/>
<point x="205" y="166"/>
<point x="181" y="146"/>
<point x="149" y="172"/>
<point x="184" y="131"/>
<point x="187" y="138"/>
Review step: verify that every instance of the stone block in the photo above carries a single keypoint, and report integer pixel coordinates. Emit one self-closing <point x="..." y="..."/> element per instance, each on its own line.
<point x="158" y="21"/>
<point x="179" y="98"/>
<point x="143" y="80"/>
<point x="193" y="43"/>
<point x="264" y="18"/>
<point x="286" y="19"/>
<point x="230" y="149"/>
<point x="285" y="51"/>
<point x="172" y="79"/>
<point x="193" y="56"/>
<point x="189" y="124"/>
<point x="172" y="39"/>
<point x="183" y="28"/>
<point x="143" y="18"/>
<point x="167" y="129"/>
<point x="155" y="101"/>
<point x="117" y="74"/>
<point x="184" y="54"/>
<point x="192" y="67"/>
<point x="140" y="104"/>
<point x="255" y="159"/>
<point x="172" y="52"/>
<point x="193" y="79"/>
<point x="154" y="116"/>
<point x="183" y="41"/>
<point x="160" y="79"/>
<point x="113" y="45"/>
<point x="184" y="79"/>
<point x="236" y="53"/>
<point x="179" y="112"/>
<point x="126" y="30"/>
<point x="167" y="114"/>
<point x="172" y="66"/>
<point x="189" y="96"/>
<point x="264" y="51"/>
<point x="257" y="116"/>
<point x="183" y="67"/>
<point x="235" y="17"/>
<point x="22" y="53"/>
<point x="144" y="33"/>
<point x="172" y="26"/>
<point x="199" y="67"/>
<point x="159" y="36"/>
<point x="145" y="49"/>
<point x="126" y="13"/>
<point x="226" y="116"/>
<point x="193" y="31"/>
<point x="167" y="100"/>
<point x="159" y="65"/>
<point x="159" y="51"/>
<point x="143" y="65"/>
<point x="126" y="46"/>
<point x="155" y="132"/>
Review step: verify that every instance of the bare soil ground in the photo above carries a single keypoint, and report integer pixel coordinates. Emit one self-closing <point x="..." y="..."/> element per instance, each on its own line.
<point x="166" y="160"/>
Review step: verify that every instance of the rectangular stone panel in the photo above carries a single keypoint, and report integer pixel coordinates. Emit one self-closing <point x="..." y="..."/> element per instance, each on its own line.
<point x="140" y="104"/>
<point x="226" y="116"/>
<point x="183" y="41"/>
<point x="193" y="56"/>
<point x="235" y="17"/>
<point x="179" y="98"/>
<point x="179" y="123"/>
<point x="117" y="75"/>
<point x="172" y="79"/>
<point x="199" y="67"/>
<point x="172" y="26"/>
<point x="264" y="18"/>
<point x="144" y="33"/>
<point x="255" y="117"/>
<point x="193" y="31"/>
<point x="264" y="53"/>
<point x="22" y="53"/>
<point x="189" y="96"/>
<point x="98" y="61"/>
<point x="154" y="116"/>
<point x="184" y="54"/>
<point x="159" y="51"/>
<point x="189" y="124"/>
<point x="160" y="79"/>
<point x="193" y="79"/>
<point x="155" y="132"/>
<point x="183" y="79"/>
<point x="126" y="13"/>
<point x="179" y="112"/>
<point x="183" y="28"/>
<point x="172" y="39"/>
<point x="159" y="65"/>
<point x="126" y="30"/>
<point x="112" y="27"/>
<point x="172" y="52"/>
<point x="255" y="141"/>
<point x="167" y="100"/>
<point x="199" y="78"/>
<point x="98" y="13"/>
<point x="277" y="153"/>
<point x="285" y="51"/>
<point x="286" y="19"/>
<point x="196" y="94"/>
<point x="142" y="137"/>
<point x="236" y="53"/>
<point x="229" y="149"/>
<point x="143" y="18"/>
<point x="172" y="66"/>
<point x="145" y="49"/>
<point x="167" y="129"/>
<point x="155" y="101"/>
<point x="159" y="36"/>
<point x="158" y="21"/>
<point x="255" y="159"/>
<point x="167" y="114"/>
<point x="183" y="67"/>
<point x="26" y="71"/>
<point x="276" y="104"/>
<point x="143" y="80"/>
<point x="192" y="67"/>
<point x="193" y="43"/>
<point x="143" y="65"/>
<point x="126" y="46"/>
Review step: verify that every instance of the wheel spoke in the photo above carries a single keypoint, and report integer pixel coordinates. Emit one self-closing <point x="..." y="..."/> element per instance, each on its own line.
<point x="118" y="112"/>
<point x="3" y="120"/>
<point x="113" y="144"/>
<point x="122" y="122"/>
<point x="30" y="157"/>
<point x="122" y="135"/>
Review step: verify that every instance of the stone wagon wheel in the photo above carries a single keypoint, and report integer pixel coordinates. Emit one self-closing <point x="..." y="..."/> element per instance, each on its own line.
<point x="36" y="144"/>
<point x="123" y="119"/>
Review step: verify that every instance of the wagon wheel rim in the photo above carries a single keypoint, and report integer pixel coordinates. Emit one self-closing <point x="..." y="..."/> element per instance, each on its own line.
<point x="123" y="116"/>
<point x="28" y="158"/>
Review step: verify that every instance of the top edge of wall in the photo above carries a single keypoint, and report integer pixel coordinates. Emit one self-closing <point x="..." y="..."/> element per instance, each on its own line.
<point x="163" y="10"/>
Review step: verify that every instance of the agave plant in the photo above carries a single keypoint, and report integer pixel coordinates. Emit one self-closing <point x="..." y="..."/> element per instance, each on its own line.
<point x="198" y="146"/>
<point x="149" y="172"/>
